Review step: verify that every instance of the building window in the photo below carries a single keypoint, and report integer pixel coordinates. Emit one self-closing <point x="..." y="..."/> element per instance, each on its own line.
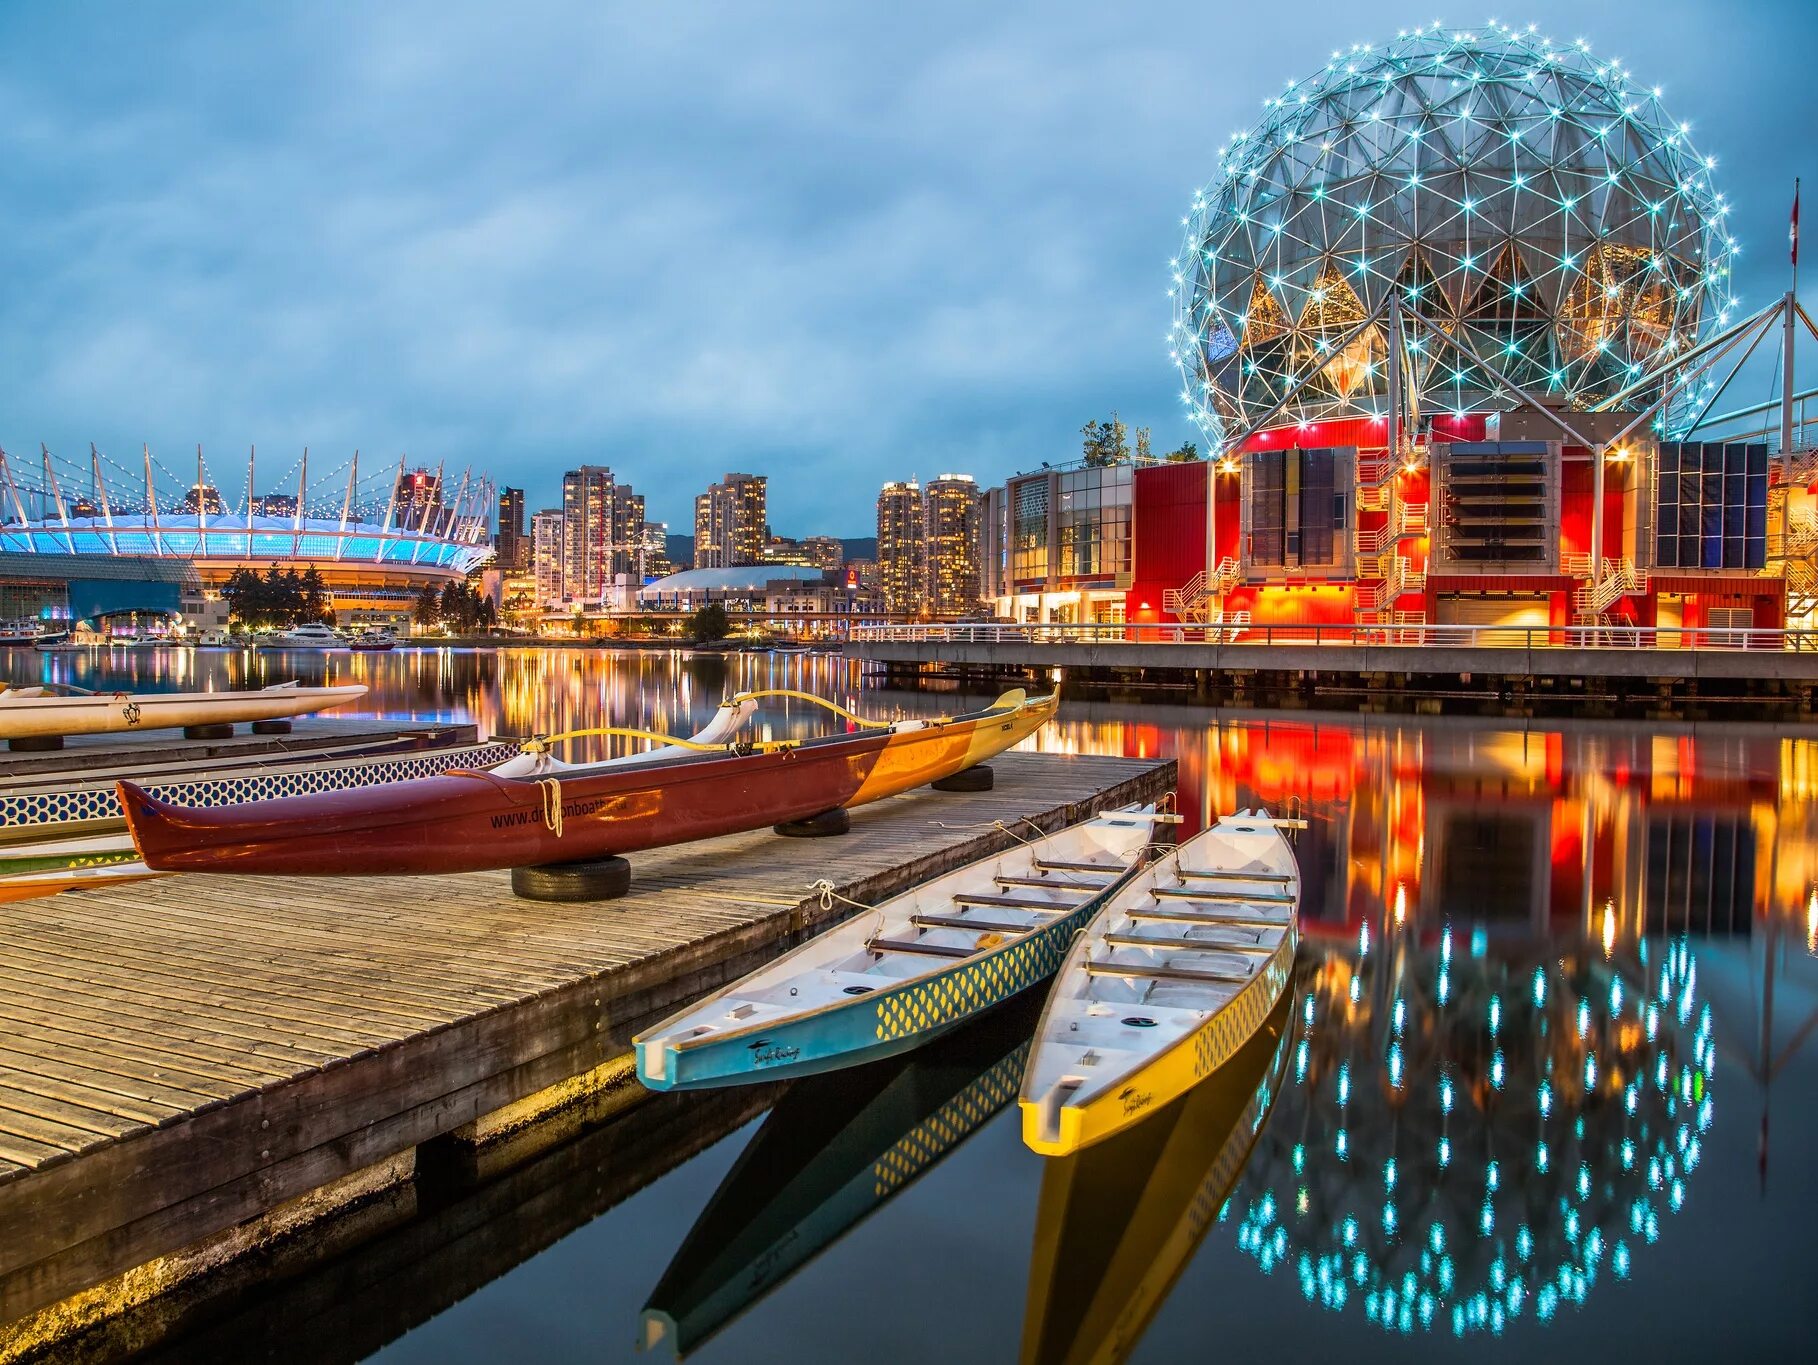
<point x="1711" y="506"/>
<point x="1498" y="504"/>
<point x="1297" y="509"/>
<point x="1029" y="530"/>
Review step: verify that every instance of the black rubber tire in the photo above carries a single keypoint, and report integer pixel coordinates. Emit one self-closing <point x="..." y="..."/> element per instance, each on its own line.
<point x="823" y="826"/>
<point x="35" y="744"/>
<point x="977" y="778"/>
<point x="271" y="727"/>
<point x="208" y="732"/>
<point x="596" y="879"/>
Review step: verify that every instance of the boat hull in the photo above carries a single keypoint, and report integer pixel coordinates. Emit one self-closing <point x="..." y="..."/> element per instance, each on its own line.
<point x="32" y="717"/>
<point x="477" y="821"/>
<point x="1169" y="1074"/>
<point x="870" y="1027"/>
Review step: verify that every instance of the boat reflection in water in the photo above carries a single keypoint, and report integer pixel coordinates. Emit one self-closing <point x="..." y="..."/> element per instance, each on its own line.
<point x="835" y="1149"/>
<point x="1119" y="1220"/>
<point x="1469" y="1134"/>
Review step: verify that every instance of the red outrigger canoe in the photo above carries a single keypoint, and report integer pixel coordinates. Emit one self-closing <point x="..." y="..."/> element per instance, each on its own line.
<point x="473" y="821"/>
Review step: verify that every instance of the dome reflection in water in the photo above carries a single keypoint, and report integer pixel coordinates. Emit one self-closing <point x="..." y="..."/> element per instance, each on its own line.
<point x="1470" y="1133"/>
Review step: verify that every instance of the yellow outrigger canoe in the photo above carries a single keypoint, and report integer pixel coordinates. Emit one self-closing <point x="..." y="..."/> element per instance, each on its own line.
<point x="1167" y="983"/>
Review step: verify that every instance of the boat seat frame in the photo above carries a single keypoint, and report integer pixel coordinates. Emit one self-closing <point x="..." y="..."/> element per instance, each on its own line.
<point x="1219" y="875"/>
<point x="880" y="946"/>
<point x="1194" y="945"/>
<point x="980" y="926"/>
<point x="1053" y="883"/>
<point x="1188" y="917"/>
<point x="1139" y="973"/>
<point x="1015" y="902"/>
<point x="1237" y="897"/>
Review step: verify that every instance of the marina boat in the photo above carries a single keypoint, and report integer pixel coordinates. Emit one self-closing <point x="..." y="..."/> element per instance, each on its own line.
<point x="372" y="642"/>
<point x="550" y="812"/>
<point x="1117" y="1223"/>
<point x="52" y="710"/>
<point x="66" y="864"/>
<point x="1180" y="969"/>
<point x="52" y="805"/>
<point x="311" y="636"/>
<point x="833" y="1151"/>
<point x="899" y="974"/>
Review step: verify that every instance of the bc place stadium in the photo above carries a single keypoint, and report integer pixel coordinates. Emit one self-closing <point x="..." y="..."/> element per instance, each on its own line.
<point x="100" y="540"/>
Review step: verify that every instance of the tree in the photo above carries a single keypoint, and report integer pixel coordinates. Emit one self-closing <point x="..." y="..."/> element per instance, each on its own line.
<point x="1183" y="454"/>
<point x="428" y="609"/>
<point x="1105" y="443"/>
<point x="1144" y="455"/>
<point x="710" y="623"/>
<point x="315" y="596"/>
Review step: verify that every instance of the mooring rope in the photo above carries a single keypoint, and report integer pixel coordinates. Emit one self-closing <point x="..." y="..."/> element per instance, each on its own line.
<point x="551" y="791"/>
<point x="825" y="891"/>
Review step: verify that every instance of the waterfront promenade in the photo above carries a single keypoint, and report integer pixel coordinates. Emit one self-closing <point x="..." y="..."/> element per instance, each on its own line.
<point x="1667" y="668"/>
<point x="191" y="1055"/>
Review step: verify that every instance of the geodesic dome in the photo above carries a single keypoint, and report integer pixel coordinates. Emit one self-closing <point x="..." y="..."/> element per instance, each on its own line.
<point x="1523" y="196"/>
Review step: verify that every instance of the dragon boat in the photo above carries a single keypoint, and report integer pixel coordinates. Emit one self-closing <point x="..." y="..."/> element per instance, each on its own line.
<point x="1165" y="985"/>
<point x="902" y="973"/>
<point x="538" y="811"/>
<point x="53" y="711"/>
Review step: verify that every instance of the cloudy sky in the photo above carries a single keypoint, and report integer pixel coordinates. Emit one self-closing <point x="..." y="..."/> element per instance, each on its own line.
<point x="834" y="243"/>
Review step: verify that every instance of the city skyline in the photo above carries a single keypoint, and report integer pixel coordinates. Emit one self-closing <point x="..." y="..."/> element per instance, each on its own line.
<point x="950" y="266"/>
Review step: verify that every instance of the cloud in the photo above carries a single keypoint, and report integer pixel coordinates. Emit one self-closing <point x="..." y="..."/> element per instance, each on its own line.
<point x="834" y="244"/>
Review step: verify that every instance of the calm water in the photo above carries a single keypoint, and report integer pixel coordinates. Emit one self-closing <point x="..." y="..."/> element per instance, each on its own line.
<point x="1547" y="1082"/>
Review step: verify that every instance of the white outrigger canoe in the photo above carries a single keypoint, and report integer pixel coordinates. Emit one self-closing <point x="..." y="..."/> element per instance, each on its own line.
<point x="899" y="974"/>
<point x="1165" y="985"/>
<point x="46" y="711"/>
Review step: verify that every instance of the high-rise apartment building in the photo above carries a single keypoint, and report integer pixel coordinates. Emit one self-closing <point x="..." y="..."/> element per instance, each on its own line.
<point x="510" y="549"/>
<point x="547" y="544"/>
<point x="823" y="552"/>
<point x="657" y="563"/>
<point x="417" y="497"/>
<point x="951" y="516"/>
<point x="603" y="532"/>
<point x="731" y="523"/>
<point x="899" y="546"/>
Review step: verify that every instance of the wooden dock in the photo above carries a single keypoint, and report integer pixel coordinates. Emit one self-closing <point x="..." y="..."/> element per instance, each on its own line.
<point x="180" y="1056"/>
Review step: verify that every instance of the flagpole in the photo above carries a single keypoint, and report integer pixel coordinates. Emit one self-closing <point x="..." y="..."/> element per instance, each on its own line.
<point x="1786" y="359"/>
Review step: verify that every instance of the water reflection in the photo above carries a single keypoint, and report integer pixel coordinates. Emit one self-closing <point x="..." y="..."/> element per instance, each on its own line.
<point x="834" y="1150"/>
<point x="1470" y="1135"/>
<point x="1119" y="1221"/>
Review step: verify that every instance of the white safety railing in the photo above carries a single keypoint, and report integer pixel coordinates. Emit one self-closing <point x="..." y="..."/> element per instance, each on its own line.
<point x="1239" y="632"/>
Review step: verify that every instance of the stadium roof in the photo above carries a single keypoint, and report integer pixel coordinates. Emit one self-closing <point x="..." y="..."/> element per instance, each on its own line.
<point x="742" y="578"/>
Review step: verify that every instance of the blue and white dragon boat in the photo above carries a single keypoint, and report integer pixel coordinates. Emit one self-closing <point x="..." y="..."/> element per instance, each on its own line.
<point x="896" y="975"/>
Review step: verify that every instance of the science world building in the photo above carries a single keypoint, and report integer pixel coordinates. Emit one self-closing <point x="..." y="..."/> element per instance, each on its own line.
<point x="1456" y="323"/>
<point x="104" y="540"/>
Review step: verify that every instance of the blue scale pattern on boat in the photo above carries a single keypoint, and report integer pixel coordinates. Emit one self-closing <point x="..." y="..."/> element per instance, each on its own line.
<point x="982" y="982"/>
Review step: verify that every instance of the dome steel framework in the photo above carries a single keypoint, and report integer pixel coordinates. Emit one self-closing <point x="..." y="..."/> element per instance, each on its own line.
<point x="1524" y="198"/>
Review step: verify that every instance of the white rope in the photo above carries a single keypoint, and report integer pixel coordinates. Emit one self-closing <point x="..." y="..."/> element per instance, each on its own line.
<point x="827" y="895"/>
<point x="551" y="789"/>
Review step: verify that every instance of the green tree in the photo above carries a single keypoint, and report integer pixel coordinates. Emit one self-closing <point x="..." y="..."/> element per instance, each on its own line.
<point x="1183" y="453"/>
<point x="710" y="623"/>
<point x="428" y="609"/>
<point x="1144" y="454"/>
<point x="314" y="606"/>
<point x="1105" y="443"/>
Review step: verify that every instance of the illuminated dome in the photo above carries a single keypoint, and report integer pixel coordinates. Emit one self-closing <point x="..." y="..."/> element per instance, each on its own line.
<point x="1464" y="1141"/>
<point x="1523" y="195"/>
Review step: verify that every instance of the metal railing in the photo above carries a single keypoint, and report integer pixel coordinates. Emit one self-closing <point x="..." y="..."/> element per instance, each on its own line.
<point x="1397" y="633"/>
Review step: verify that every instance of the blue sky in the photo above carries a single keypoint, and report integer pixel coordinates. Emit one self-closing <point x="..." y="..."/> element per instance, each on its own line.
<point x="832" y="243"/>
